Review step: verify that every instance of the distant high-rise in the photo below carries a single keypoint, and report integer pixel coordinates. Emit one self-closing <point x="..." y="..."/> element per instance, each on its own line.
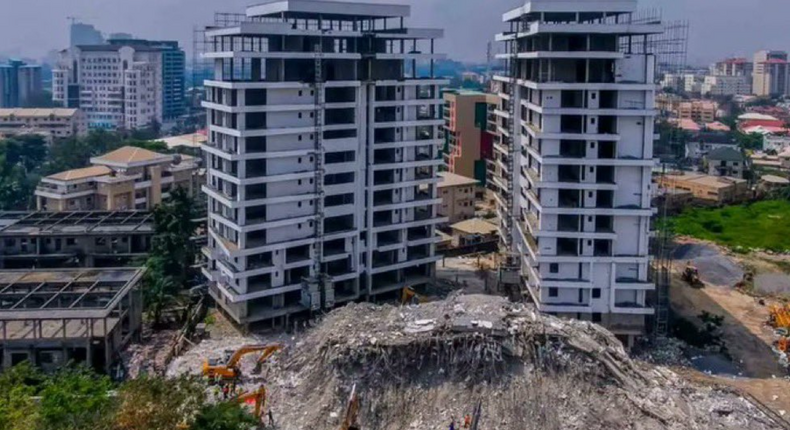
<point x="20" y="83"/>
<point x="85" y="34"/>
<point x="122" y="84"/>
<point x="771" y="75"/>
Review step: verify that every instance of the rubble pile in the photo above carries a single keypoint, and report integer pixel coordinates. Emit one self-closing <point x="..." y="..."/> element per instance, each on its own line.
<point x="420" y="367"/>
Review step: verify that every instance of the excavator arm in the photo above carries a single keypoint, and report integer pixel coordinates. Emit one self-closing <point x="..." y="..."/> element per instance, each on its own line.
<point x="268" y="350"/>
<point x="352" y="411"/>
<point x="260" y="399"/>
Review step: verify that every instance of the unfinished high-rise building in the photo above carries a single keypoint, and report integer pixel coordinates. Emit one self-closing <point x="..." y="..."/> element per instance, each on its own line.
<point x="573" y="159"/>
<point x="322" y="157"/>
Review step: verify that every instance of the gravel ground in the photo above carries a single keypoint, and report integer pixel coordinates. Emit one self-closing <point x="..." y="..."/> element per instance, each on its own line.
<point x="715" y="268"/>
<point x="772" y="283"/>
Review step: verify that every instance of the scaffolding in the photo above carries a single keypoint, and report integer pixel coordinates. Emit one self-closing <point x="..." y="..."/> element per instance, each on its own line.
<point x="670" y="49"/>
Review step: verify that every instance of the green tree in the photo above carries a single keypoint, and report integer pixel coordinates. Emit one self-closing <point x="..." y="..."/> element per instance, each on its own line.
<point x="168" y="267"/>
<point x="158" y="404"/>
<point x="749" y="141"/>
<point x="18" y="385"/>
<point x="75" y="398"/>
<point x="224" y="416"/>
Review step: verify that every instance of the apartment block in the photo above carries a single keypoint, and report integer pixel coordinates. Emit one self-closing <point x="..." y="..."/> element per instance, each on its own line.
<point x="727" y="85"/>
<point x="733" y="67"/>
<point x="771" y="75"/>
<point x="128" y="178"/>
<point x="125" y="84"/>
<point x="467" y="137"/>
<point x="574" y="160"/>
<point x="20" y="84"/>
<point x="47" y="240"/>
<point x="458" y="197"/>
<point x="54" y="123"/>
<point x="701" y="111"/>
<point x="323" y="156"/>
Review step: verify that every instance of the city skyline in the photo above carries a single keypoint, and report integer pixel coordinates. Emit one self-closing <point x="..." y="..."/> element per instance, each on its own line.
<point x="154" y="19"/>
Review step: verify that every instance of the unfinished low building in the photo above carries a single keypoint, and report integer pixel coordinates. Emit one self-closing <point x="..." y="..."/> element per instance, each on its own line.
<point x="74" y="239"/>
<point x="52" y="317"/>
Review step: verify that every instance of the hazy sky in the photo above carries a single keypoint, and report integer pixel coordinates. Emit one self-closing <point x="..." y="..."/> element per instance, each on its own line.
<point x="719" y="28"/>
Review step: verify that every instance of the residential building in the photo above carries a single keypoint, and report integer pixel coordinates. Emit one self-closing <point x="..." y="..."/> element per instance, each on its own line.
<point x="20" y="84"/>
<point x="702" y="143"/>
<point x="776" y="144"/>
<point x="467" y="138"/>
<point x="323" y="158"/>
<point x="771" y="75"/>
<point x="726" y="85"/>
<point x="473" y="232"/>
<point x="51" y="318"/>
<point x="74" y="239"/>
<point x="54" y="123"/>
<point x="458" y="197"/>
<point x="726" y="161"/>
<point x="692" y="83"/>
<point x="700" y="111"/>
<point x="125" y="84"/>
<point x="173" y="73"/>
<point x="84" y="34"/>
<point x="128" y="178"/>
<point x="576" y="154"/>
<point x="715" y="190"/>
<point x="733" y="67"/>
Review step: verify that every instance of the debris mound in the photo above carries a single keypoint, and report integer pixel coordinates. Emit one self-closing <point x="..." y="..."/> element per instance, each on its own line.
<point x="420" y="367"/>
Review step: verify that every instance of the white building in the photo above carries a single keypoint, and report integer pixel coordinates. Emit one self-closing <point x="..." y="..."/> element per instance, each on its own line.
<point x="117" y="86"/>
<point x="53" y="123"/>
<point x="573" y="169"/>
<point x="322" y="158"/>
<point x="727" y="85"/>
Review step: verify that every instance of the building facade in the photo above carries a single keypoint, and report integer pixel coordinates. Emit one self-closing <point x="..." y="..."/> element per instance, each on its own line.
<point x="125" y="84"/>
<point x="573" y="170"/>
<point x="53" y="123"/>
<point x="20" y="84"/>
<point x="733" y="67"/>
<point x="323" y="157"/>
<point x="128" y="178"/>
<point x="771" y="73"/>
<point x="458" y="197"/>
<point x="468" y="142"/>
<point x="701" y="111"/>
<point x="727" y="85"/>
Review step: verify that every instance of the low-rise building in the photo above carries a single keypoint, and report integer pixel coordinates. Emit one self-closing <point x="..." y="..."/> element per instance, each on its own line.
<point x="128" y="178"/>
<point x="707" y="189"/>
<point x="74" y="239"/>
<point x="701" y="111"/>
<point x="53" y="123"/>
<point x="769" y="183"/>
<point x="54" y="317"/>
<point x="776" y="143"/>
<point x="726" y="161"/>
<point x="473" y="232"/>
<point x="702" y="143"/>
<point x="458" y="197"/>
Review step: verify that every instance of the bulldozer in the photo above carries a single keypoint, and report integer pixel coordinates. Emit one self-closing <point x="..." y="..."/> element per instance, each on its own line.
<point x="691" y="277"/>
<point x="228" y="367"/>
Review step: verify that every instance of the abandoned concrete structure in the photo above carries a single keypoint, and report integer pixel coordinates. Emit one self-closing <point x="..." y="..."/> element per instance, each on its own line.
<point x="74" y="239"/>
<point x="51" y="317"/>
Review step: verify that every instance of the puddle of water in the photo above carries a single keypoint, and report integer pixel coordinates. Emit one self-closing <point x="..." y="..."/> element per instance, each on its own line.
<point x="714" y="364"/>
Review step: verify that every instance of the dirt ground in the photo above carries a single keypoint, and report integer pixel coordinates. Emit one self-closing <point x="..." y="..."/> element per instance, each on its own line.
<point x="747" y="337"/>
<point x="470" y="275"/>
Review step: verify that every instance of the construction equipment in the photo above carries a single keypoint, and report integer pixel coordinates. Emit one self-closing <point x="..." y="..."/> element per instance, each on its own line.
<point x="352" y="412"/>
<point x="258" y="396"/>
<point x="228" y="368"/>
<point x="691" y="277"/>
<point x="747" y="283"/>
<point x="409" y="296"/>
<point x="780" y="316"/>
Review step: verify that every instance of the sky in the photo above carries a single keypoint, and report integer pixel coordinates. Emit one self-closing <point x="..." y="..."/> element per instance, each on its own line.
<point x="719" y="28"/>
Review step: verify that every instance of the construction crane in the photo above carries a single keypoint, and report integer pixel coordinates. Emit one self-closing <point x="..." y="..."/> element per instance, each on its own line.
<point x="259" y="396"/>
<point x="228" y="367"/>
<point x="352" y="412"/>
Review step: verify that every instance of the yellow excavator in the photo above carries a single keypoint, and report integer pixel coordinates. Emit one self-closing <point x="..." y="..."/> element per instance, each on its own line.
<point x="259" y="396"/>
<point x="228" y="368"/>
<point x="352" y="412"/>
<point x="411" y="297"/>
